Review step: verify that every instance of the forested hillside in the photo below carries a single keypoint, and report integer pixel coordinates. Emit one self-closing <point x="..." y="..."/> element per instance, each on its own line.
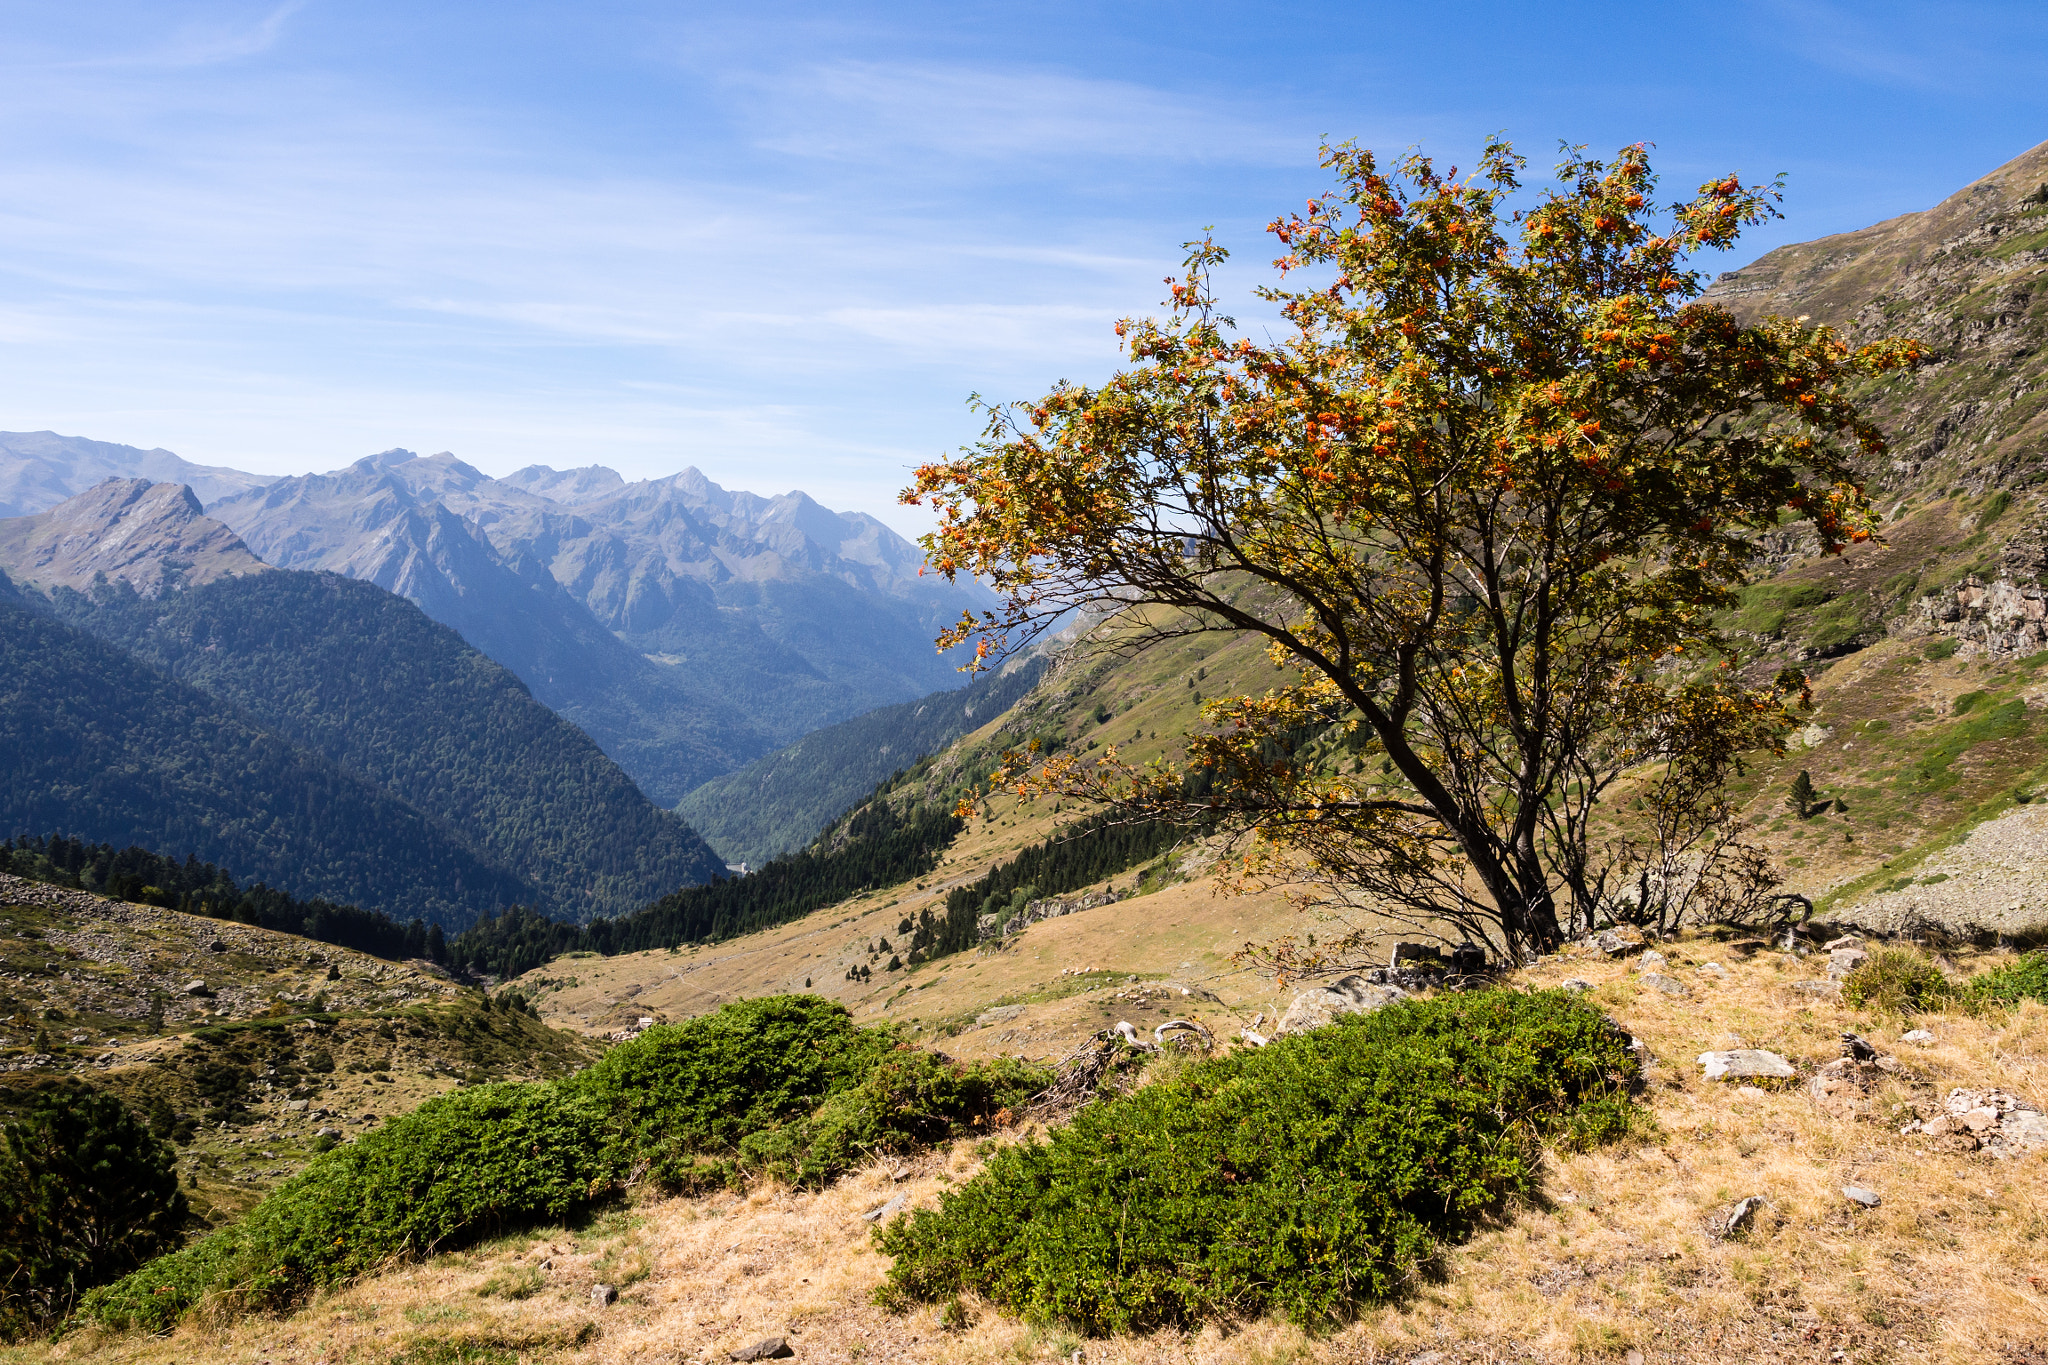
<point x="781" y="802"/>
<point x="366" y="680"/>
<point x="97" y="743"/>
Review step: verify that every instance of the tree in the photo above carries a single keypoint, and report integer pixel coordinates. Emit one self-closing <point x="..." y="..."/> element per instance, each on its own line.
<point x="1485" y="498"/>
<point x="87" y="1194"/>
<point x="1802" y="794"/>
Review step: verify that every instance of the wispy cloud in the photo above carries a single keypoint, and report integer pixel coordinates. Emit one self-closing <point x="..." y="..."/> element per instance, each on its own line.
<point x="853" y="110"/>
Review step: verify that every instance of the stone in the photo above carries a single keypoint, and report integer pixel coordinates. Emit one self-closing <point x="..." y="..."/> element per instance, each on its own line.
<point x="1653" y="958"/>
<point x="1426" y="954"/>
<point x="1670" y="986"/>
<point x="1615" y="942"/>
<point x="1745" y="1063"/>
<point x="2023" y="1130"/>
<point x="1574" y="984"/>
<point x="296" y="1106"/>
<point x="883" y="1211"/>
<point x="1979" y="1120"/>
<point x="1713" y="969"/>
<point x="1856" y="1194"/>
<point x="774" y="1348"/>
<point x="1735" y="1217"/>
<point x="1842" y="961"/>
<point x="194" y="988"/>
<point x="1919" y="1036"/>
<point x="1314" y="1009"/>
<point x="1001" y="1014"/>
<point x="1468" y="959"/>
<point x="1845" y="941"/>
<point x="603" y="1295"/>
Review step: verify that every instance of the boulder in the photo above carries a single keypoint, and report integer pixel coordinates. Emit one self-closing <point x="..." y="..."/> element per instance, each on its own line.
<point x="774" y="1348"/>
<point x="1745" y="1063"/>
<point x="1856" y="1194"/>
<point x="1919" y="1037"/>
<point x="1670" y="986"/>
<point x="1653" y="958"/>
<point x="1616" y="942"/>
<point x="1994" y="1120"/>
<point x="603" y="1295"/>
<point x="1842" y="961"/>
<point x="194" y="988"/>
<point x="882" y="1212"/>
<point x="1314" y="1009"/>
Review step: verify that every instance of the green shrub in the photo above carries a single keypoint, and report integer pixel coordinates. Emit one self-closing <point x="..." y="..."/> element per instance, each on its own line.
<point x="685" y="1095"/>
<point x="910" y="1099"/>
<point x="1944" y="648"/>
<point x="682" y="1099"/>
<point x="87" y="1193"/>
<point x="1310" y="1176"/>
<point x="471" y="1162"/>
<point x="2023" y="978"/>
<point x="1896" y="981"/>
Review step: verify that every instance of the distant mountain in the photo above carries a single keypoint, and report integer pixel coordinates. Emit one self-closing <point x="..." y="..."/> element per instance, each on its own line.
<point x="364" y="679"/>
<point x="367" y="522"/>
<point x="96" y="743"/>
<point x="780" y="803"/>
<point x="39" y="469"/>
<point x="775" y="613"/>
<point x="147" y="535"/>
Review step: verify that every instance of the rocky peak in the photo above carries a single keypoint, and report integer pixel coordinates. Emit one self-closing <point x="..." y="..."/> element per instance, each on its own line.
<point x="153" y="536"/>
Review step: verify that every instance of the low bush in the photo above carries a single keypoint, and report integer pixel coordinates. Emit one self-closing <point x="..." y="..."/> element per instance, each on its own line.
<point x="1896" y="981"/>
<point x="2023" y="978"/>
<point x="910" y="1099"/>
<point x="1310" y="1177"/>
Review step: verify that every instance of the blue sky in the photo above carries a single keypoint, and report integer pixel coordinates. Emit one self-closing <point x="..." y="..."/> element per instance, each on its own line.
<point x="784" y="242"/>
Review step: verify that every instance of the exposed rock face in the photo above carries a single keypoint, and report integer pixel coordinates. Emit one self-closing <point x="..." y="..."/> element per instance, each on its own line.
<point x="1314" y="1009"/>
<point x="1988" y="885"/>
<point x="150" y="535"/>
<point x="2000" y="619"/>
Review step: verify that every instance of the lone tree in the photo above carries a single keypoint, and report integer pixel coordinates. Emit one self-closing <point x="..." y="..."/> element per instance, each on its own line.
<point x="1486" y="497"/>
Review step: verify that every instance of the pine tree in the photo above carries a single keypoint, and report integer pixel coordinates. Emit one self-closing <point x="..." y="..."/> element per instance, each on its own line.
<point x="1801" y="799"/>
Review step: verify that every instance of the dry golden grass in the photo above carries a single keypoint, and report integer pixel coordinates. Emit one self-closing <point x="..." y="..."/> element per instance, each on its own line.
<point x="1614" y="1257"/>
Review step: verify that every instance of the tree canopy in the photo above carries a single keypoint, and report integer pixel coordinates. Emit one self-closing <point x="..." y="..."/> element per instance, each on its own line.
<point x="1485" y="497"/>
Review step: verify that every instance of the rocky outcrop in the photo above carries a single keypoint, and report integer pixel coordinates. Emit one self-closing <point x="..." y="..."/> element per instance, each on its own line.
<point x="152" y="536"/>
<point x="2000" y="619"/>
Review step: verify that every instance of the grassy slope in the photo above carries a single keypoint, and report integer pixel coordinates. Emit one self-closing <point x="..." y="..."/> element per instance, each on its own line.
<point x="397" y="1034"/>
<point x="1613" y="1257"/>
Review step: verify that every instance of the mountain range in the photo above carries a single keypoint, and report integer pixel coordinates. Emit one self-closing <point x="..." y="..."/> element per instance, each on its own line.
<point x="686" y="628"/>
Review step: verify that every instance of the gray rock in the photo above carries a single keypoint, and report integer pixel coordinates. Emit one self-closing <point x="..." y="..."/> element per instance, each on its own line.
<point x="1845" y="941"/>
<point x="296" y="1106"/>
<point x="1842" y="961"/>
<point x="1314" y="1009"/>
<point x="1919" y="1035"/>
<point x="1735" y="1217"/>
<point x="774" y="1348"/>
<point x="1670" y="986"/>
<point x="1856" y="1194"/>
<point x="194" y="988"/>
<point x="1745" y="1063"/>
<point x="1574" y="984"/>
<point x="1614" y="944"/>
<point x="2023" y="1130"/>
<point x="883" y="1211"/>
<point x="1001" y="1014"/>
<point x="603" y="1295"/>
<point x="1653" y="958"/>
